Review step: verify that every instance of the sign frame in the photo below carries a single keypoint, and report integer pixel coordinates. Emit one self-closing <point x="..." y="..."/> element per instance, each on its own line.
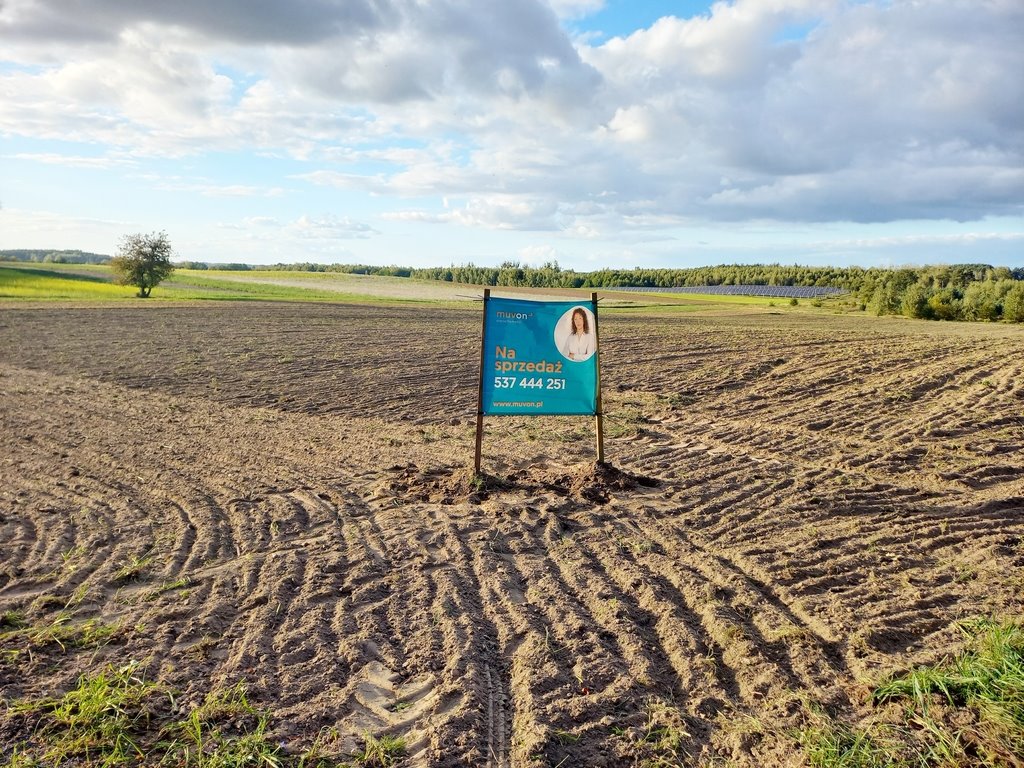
<point x="548" y="336"/>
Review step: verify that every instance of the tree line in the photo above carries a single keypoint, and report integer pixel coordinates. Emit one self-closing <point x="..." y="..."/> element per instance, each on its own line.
<point x="53" y="257"/>
<point x="963" y="292"/>
<point x="948" y="292"/>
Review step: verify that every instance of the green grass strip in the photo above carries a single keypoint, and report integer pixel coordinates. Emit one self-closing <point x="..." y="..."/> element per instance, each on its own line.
<point x="967" y="710"/>
<point x="117" y="719"/>
<point x="36" y="283"/>
<point x="987" y="679"/>
<point x="99" y="722"/>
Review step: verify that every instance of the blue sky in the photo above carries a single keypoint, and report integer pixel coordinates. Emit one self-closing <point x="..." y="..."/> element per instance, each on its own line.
<point x="597" y="134"/>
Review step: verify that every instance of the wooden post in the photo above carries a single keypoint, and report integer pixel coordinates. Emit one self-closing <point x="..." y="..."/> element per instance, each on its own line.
<point x="599" y="414"/>
<point x="480" y="391"/>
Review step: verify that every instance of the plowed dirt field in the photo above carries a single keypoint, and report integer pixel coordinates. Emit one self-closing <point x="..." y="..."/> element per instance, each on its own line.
<point x="279" y="494"/>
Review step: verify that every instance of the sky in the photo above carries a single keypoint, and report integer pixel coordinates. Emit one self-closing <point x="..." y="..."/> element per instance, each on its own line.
<point x="593" y="133"/>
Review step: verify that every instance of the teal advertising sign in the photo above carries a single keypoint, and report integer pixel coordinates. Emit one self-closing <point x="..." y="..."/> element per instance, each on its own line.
<point x="539" y="357"/>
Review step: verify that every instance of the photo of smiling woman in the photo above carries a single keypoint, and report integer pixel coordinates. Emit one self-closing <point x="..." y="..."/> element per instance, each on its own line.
<point x="580" y="340"/>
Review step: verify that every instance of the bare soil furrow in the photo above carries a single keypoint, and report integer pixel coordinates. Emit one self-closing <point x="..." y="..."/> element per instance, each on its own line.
<point x="796" y="641"/>
<point x="278" y="495"/>
<point x="670" y="624"/>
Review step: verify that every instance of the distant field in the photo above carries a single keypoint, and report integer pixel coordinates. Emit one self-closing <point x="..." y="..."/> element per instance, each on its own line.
<point x="96" y="283"/>
<point x="89" y="283"/>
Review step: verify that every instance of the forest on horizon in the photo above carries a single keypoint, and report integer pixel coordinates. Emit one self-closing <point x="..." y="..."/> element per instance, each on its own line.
<point x="977" y="292"/>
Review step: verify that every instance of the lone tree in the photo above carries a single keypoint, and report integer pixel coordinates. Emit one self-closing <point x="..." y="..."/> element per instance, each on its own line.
<point x="143" y="260"/>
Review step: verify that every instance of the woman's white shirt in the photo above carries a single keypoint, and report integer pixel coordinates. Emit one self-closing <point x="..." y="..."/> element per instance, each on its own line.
<point x="579" y="346"/>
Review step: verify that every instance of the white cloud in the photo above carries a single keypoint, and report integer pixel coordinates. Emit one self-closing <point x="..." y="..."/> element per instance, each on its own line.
<point x="209" y="189"/>
<point x="261" y="221"/>
<point x="537" y="255"/>
<point x="306" y="226"/>
<point x="72" y="161"/>
<point x="966" y="238"/>
<point x="269" y="239"/>
<point x="329" y="228"/>
<point x="880" y="110"/>
<point x="414" y="216"/>
<point x="23" y="228"/>
<point x="506" y="212"/>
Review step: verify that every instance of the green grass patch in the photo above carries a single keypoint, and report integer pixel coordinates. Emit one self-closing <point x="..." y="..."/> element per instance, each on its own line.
<point x="666" y="734"/>
<point x="828" y="743"/>
<point x="116" y="718"/>
<point x="226" y="730"/>
<point x="986" y="680"/>
<point x="12" y="620"/>
<point x="60" y="284"/>
<point x="380" y="752"/>
<point x="167" y="586"/>
<point x="965" y="711"/>
<point x="624" y="422"/>
<point x="100" y="721"/>
<point x="61" y="631"/>
<point x="133" y="569"/>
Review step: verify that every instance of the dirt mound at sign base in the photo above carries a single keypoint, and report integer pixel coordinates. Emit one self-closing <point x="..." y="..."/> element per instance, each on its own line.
<point x="595" y="482"/>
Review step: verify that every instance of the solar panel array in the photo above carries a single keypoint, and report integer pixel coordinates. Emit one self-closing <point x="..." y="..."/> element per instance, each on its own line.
<point x="773" y="291"/>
